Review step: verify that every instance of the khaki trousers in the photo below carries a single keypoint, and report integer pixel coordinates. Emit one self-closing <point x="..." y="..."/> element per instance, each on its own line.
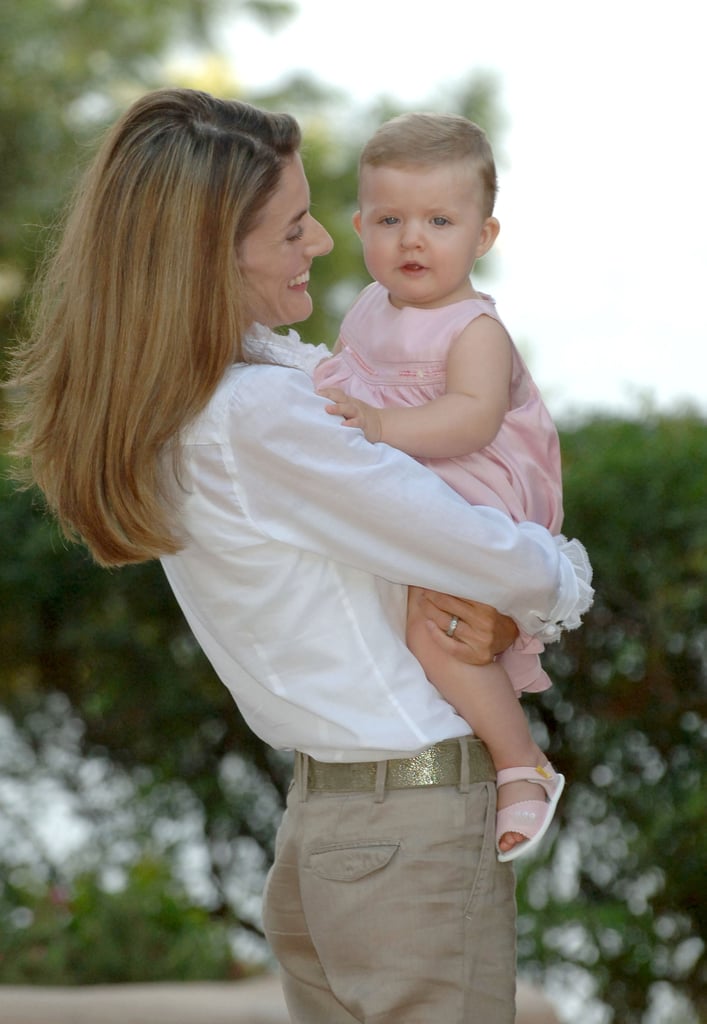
<point x="390" y="907"/>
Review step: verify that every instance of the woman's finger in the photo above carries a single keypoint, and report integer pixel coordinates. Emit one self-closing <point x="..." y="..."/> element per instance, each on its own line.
<point x="460" y="647"/>
<point x="475" y="622"/>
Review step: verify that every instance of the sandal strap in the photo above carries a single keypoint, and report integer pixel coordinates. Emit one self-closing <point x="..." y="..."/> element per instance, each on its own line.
<point x="541" y="775"/>
<point x="526" y="817"/>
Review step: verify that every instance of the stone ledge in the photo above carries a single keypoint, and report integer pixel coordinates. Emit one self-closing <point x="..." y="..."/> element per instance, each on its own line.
<point x="255" y="1001"/>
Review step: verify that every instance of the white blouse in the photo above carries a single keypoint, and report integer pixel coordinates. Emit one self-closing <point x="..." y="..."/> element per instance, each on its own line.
<point x="301" y="538"/>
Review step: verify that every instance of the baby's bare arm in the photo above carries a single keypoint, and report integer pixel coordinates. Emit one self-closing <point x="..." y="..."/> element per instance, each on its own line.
<point x="463" y="420"/>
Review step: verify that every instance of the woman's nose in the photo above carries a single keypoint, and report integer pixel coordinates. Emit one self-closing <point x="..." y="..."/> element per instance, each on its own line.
<point x="321" y="241"/>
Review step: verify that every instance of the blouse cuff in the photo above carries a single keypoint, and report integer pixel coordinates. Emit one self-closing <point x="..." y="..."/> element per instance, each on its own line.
<point x="577" y="592"/>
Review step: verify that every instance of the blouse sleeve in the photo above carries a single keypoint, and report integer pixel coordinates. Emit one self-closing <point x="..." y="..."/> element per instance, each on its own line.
<point x="309" y="482"/>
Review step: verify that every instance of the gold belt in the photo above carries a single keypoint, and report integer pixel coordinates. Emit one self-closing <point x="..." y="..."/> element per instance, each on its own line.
<point x="440" y="765"/>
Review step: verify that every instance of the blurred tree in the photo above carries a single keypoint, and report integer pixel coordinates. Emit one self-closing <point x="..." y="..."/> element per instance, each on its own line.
<point x="116" y="645"/>
<point x="624" y="893"/>
<point x="66" y="68"/>
<point x="149" y="930"/>
<point x="621" y="893"/>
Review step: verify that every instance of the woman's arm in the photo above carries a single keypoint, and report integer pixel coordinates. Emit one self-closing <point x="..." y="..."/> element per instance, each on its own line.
<point x="306" y="482"/>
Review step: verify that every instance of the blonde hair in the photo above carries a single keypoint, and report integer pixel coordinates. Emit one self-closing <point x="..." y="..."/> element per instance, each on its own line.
<point x="139" y="312"/>
<point x="426" y="140"/>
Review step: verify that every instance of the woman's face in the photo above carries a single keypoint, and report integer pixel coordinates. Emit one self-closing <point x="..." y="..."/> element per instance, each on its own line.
<point x="276" y="256"/>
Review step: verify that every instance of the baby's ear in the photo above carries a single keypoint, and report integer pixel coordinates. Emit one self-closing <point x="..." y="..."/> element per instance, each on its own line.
<point x="489" y="234"/>
<point x="356" y="221"/>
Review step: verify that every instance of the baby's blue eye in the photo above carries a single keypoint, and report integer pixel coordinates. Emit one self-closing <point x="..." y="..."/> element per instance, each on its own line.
<point x="440" y="221"/>
<point x="389" y="220"/>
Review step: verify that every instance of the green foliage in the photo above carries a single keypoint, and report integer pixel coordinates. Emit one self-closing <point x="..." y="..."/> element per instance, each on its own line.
<point x="621" y="894"/>
<point x="625" y="891"/>
<point x="115" y="644"/>
<point x="148" y="930"/>
<point x="66" y="68"/>
<point x="58" y="80"/>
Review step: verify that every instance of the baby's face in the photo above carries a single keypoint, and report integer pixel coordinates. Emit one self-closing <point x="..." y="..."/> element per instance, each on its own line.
<point x="422" y="229"/>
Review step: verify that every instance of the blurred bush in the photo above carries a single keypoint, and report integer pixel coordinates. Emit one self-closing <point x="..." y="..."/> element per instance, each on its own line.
<point x="80" y="933"/>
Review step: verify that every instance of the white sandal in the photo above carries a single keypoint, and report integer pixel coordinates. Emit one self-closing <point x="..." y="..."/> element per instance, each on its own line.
<point x="532" y="818"/>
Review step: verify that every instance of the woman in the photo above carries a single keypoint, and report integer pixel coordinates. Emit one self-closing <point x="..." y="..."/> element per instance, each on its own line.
<point x="162" y="417"/>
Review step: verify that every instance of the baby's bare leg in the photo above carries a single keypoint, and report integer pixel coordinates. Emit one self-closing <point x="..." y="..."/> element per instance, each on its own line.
<point x="485" y="698"/>
<point x="483" y="695"/>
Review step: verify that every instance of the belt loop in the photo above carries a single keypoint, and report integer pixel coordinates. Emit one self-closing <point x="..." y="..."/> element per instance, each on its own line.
<point x="464" y="780"/>
<point x="381" y="773"/>
<point x="301" y="775"/>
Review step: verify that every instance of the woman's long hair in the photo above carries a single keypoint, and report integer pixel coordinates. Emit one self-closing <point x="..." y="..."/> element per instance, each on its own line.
<point x="138" y="313"/>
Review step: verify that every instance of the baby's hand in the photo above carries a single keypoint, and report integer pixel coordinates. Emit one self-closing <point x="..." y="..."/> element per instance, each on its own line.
<point x="355" y="413"/>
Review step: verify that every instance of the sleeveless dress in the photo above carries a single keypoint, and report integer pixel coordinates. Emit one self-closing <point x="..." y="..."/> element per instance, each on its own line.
<point x="398" y="357"/>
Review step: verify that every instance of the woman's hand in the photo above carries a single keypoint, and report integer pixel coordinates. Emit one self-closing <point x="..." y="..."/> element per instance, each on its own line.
<point x="480" y="633"/>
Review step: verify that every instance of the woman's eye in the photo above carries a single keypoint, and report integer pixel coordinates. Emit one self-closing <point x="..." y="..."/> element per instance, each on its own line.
<point x="297" y="235"/>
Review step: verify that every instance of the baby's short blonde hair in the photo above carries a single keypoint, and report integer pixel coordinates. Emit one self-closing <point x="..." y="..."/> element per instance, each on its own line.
<point x="425" y="140"/>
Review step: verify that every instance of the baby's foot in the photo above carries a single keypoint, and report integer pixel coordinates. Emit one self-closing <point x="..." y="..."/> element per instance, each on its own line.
<point x="527" y="798"/>
<point x="510" y="793"/>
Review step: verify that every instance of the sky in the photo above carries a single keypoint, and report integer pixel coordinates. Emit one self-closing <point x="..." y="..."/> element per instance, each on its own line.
<point x="600" y="268"/>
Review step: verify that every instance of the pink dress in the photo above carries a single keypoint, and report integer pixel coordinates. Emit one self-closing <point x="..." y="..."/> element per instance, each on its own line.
<point x="398" y="357"/>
